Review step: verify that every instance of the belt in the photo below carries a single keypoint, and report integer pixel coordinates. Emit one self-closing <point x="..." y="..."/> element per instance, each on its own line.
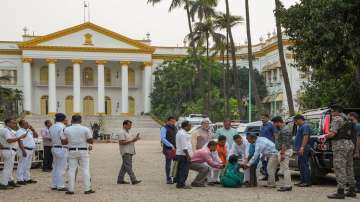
<point x="78" y="148"/>
<point x="58" y="146"/>
<point x="8" y="148"/>
<point x="28" y="148"/>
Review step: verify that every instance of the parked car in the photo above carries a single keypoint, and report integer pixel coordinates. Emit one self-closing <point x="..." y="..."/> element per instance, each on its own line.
<point x="321" y="162"/>
<point x="194" y="119"/>
<point x="244" y="127"/>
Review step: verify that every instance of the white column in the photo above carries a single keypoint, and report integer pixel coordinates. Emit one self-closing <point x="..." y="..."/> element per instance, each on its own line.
<point x="147" y="86"/>
<point x="76" y="86"/>
<point x="27" y="84"/>
<point x="52" y="86"/>
<point x="101" y="87"/>
<point x="124" y="87"/>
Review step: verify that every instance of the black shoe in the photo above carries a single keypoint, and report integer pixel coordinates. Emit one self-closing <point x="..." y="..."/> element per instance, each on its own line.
<point x="304" y="185"/>
<point x="54" y="188"/>
<point x="69" y="192"/>
<point x="5" y="187"/>
<point x="89" y="192"/>
<point x="197" y="185"/>
<point x="136" y="182"/>
<point x="338" y="195"/>
<point x="62" y="189"/>
<point x="169" y="182"/>
<point x="351" y="192"/>
<point x="283" y="189"/>
<point x="21" y="182"/>
<point x="184" y="187"/>
<point x="31" y="182"/>
<point x="13" y="184"/>
<point x="123" y="182"/>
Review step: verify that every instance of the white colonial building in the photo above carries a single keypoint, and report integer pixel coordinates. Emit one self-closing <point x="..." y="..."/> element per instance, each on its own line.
<point x="91" y="70"/>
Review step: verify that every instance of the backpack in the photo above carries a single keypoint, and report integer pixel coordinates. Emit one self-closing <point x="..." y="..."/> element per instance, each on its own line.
<point x="347" y="131"/>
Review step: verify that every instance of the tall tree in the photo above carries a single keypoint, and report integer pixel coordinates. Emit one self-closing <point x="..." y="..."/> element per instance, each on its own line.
<point x="203" y="9"/>
<point x="278" y="8"/>
<point x="221" y="24"/>
<point x="233" y="56"/>
<point x="250" y="58"/>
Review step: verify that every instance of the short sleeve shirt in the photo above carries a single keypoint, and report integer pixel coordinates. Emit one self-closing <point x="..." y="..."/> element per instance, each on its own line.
<point x="5" y="134"/>
<point x="284" y="138"/>
<point x="57" y="133"/>
<point x="128" y="148"/>
<point x="183" y="142"/>
<point x="268" y="130"/>
<point x="228" y="133"/>
<point x="301" y="132"/>
<point x="77" y="136"/>
<point x="28" y="141"/>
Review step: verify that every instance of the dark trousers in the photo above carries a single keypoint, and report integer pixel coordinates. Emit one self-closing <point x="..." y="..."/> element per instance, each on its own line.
<point x="48" y="158"/>
<point x="168" y="169"/>
<point x="303" y="162"/>
<point x="126" y="167"/>
<point x="182" y="170"/>
<point x="357" y="178"/>
<point x="264" y="163"/>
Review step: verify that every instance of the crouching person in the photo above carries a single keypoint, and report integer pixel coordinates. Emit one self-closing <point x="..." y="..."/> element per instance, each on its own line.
<point x="198" y="160"/>
<point x="77" y="137"/>
<point x="232" y="177"/>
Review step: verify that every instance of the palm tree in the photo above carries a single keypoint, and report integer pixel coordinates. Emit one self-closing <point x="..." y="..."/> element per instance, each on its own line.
<point x="221" y="24"/>
<point x="233" y="55"/>
<point x="203" y="9"/>
<point x="278" y="7"/>
<point x="250" y="58"/>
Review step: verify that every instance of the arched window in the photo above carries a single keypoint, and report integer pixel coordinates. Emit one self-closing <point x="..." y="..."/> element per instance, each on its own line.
<point x="131" y="77"/>
<point x="69" y="105"/>
<point x="131" y="101"/>
<point x="107" y="76"/>
<point x="44" y="75"/>
<point x="44" y="105"/>
<point x="69" y="75"/>
<point x="88" y="76"/>
<point x="88" y="105"/>
<point x="107" y="105"/>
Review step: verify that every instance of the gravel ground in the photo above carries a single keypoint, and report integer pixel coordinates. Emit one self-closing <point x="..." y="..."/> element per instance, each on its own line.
<point x="148" y="163"/>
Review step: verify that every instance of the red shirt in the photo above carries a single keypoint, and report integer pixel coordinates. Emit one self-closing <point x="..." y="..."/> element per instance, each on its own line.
<point x="222" y="151"/>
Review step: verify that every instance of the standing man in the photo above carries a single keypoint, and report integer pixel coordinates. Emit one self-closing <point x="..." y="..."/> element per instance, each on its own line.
<point x="201" y="136"/>
<point x="241" y="149"/>
<point x="8" y="141"/>
<point x="27" y="148"/>
<point x="77" y="138"/>
<point x="227" y="131"/>
<point x="341" y="132"/>
<point x="127" y="151"/>
<point x="264" y="147"/>
<point x="284" y="145"/>
<point x="302" y="148"/>
<point x="167" y="138"/>
<point x="354" y="117"/>
<point x="198" y="159"/>
<point x="268" y="131"/>
<point x="59" y="152"/>
<point x="48" y="158"/>
<point x="183" y="155"/>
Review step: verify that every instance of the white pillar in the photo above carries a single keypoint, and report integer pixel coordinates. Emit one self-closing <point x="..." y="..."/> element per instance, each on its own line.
<point x="147" y="86"/>
<point x="52" y="86"/>
<point x="27" y="84"/>
<point x="76" y="86"/>
<point x="101" y="87"/>
<point x="124" y="87"/>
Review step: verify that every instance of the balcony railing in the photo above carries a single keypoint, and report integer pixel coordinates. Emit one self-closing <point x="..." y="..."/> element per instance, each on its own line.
<point x="89" y="85"/>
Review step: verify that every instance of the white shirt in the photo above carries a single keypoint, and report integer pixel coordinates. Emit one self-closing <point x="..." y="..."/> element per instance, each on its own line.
<point x="183" y="142"/>
<point x="263" y="146"/>
<point x="77" y="136"/>
<point x="126" y="148"/>
<point x="57" y="133"/>
<point x="241" y="150"/>
<point x="5" y="134"/>
<point x="28" y="141"/>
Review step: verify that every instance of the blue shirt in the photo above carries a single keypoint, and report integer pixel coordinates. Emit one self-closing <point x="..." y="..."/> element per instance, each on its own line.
<point x="357" y="129"/>
<point x="163" y="138"/>
<point x="263" y="146"/>
<point x="268" y="130"/>
<point x="301" y="132"/>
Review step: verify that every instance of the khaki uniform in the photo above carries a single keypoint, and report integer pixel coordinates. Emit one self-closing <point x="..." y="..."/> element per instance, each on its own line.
<point x="342" y="156"/>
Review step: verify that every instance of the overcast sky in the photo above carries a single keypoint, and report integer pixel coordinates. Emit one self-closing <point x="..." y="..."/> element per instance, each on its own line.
<point x="133" y="18"/>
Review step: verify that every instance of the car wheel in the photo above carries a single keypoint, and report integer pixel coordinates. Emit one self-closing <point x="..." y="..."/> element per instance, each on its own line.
<point x="316" y="172"/>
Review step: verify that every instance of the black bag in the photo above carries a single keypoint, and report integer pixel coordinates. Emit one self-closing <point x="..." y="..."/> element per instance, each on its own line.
<point x="347" y="131"/>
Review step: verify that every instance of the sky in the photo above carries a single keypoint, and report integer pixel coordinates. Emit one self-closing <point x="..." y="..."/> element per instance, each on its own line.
<point x="132" y="18"/>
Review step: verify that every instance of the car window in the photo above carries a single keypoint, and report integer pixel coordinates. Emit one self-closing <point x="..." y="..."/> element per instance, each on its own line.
<point x="314" y="126"/>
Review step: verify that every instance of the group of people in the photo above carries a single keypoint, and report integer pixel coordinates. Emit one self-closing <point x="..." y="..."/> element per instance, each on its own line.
<point x="234" y="160"/>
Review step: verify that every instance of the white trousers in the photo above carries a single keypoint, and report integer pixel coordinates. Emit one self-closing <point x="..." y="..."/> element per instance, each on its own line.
<point x="81" y="158"/>
<point x="272" y="166"/>
<point x="59" y="166"/>
<point x="9" y="158"/>
<point x="24" y="166"/>
<point x="214" y="175"/>
<point x="284" y="168"/>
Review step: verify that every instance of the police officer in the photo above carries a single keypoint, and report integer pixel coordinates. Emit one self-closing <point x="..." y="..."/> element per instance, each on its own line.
<point x="8" y="142"/>
<point x="77" y="138"/>
<point x="25" y="154"/>
<point x="59" y="152"/>
<point x="343" y="147"/>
